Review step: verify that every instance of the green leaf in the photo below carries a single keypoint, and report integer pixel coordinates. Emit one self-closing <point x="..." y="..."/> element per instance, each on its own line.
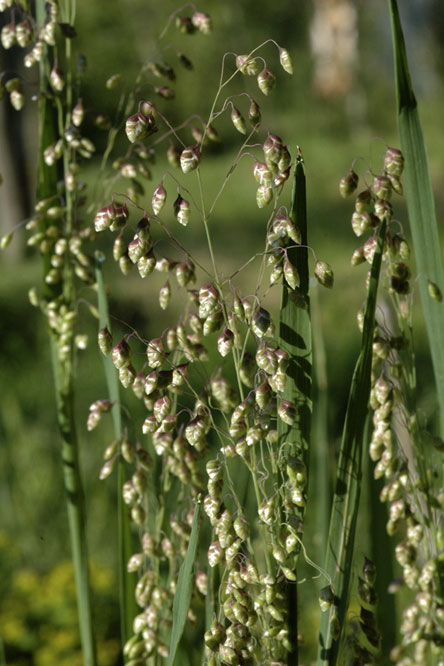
<point x="295" y="339"/>
<point x="420" y="205"/>
<point x="340" y="546"/>
<point x="182" y="598"/>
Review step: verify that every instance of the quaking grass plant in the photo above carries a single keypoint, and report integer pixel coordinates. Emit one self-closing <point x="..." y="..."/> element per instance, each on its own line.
<point x="213" y="478"/>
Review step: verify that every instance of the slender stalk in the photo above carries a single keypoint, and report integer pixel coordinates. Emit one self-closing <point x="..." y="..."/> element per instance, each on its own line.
<point x="127" y="581"/>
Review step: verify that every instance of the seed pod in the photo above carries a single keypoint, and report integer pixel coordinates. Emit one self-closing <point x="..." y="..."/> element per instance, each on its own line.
<point x="189" y="159"/>
<point x="434" y="291"/>
<point x="358" y="257"/>
<point x="326" y="598"/>
<point x="263" y="394"/>
<point x="383" y="210"/>
<point x="272" y="150"/>
<point x="165" y="295"/>
<point x="23" y="32"/>
<point x="105" y="340"/>
<point x="285" y="60"/>
<point x="247" y="65"/>
<point x="263" y="196"/>
<point x="349" y="183"/>
<point x="291" y="275"/>
<point x="363" y="201"/>
<point x="382" y="187"/>
<point x="215" y="553"/>
<point x="182" y="210"/>
<point x="121" y="355"/>
<point x="107" y="469"/>
<point x="56" y="79"/>
<point x="324" y="274"/>
<point x="17" y="100"/>
<point x="202" y="22"/>
<point x="8" y="36"/>
<point x="146" y="264"/>
<point x="6" y="240"/>
<point x="139" y="126"/>
<point x="287" y="412"/>
<point x="173" y="156"/>
<point x="225" y="342"/>
<point x="138" y="514"/>
<point x="266" y="80"/>
<point x="247" y="370"/>
<point x="213" y="322"/>
<point x="165" y="92"/>
<point x="261" y="322"/>
<point x="238" y="120"/>
<point x="393" y="162"/>
<point x="150" y="425"/>
<point x="263" y="174"/>
<point x="155" y="353"/>
<point x="254" y="113"/>
<point x="113" y="81"/>
<point x="241" y="527"/>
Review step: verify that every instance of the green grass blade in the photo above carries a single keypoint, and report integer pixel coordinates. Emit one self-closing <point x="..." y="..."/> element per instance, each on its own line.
<point x="184" y="589"/>
<point x="340" y="546"/>
<point x="420" y="205"/>
<point x="127" y="581"/>
<point x="320" y="455"/>
<point x="295" y="338"/>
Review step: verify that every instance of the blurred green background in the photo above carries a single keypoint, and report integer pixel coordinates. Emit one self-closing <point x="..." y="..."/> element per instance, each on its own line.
<point x="338" y="102"/>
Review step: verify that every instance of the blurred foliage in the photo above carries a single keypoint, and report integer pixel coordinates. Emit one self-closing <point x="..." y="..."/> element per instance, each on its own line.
<point x="38" y="613"/>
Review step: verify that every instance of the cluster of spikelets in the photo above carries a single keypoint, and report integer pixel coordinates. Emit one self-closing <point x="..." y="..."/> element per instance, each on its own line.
<point x="399" y="442"/>
<point x="184" y="418"/>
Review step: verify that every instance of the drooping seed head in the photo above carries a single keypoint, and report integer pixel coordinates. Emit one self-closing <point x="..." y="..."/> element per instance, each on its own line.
<point x="285" y="60"/>
<point x="254" y="113"/>
<point x="238" y="120"/>
<point x="272" y="148"/>
<point x="225" y="342"/>
<point x="105" y="340"/>
<point x="434" y="291"/>
<point x="349" y="183"/>
<point x="189" y="159"/>
<point x="324" y="274"/>
<point x="121" y="354"/>
<point x="202" y="22"/>
<point x="173" y="155"/>
<point x="393" y="162"/>
<point x="139" y="126"/>
<point x="266" y="80"/>
<point x="261" y="322"/>
<point x="182" y="210"/>
<point x="247" y="65"/>
<point x="291" y="274"/>
<point x="264" y="195"/>
<point x="382" y="187"/>
<point x="165" y="295"/>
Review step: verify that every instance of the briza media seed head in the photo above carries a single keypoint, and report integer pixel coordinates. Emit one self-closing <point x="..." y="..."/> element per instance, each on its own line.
<point x="189" y="159"/>
<point x="238" y="120"/>
<point x="286" y="61"/>
<point x="202" y="22"/>
<point x="266" y="81"/>
<point x="349" y="183"/>
<point x="324" y="274"/>
<point x="393" y="162"/>
<point x="247" y="65"/>
<point x="182" y="210"/>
